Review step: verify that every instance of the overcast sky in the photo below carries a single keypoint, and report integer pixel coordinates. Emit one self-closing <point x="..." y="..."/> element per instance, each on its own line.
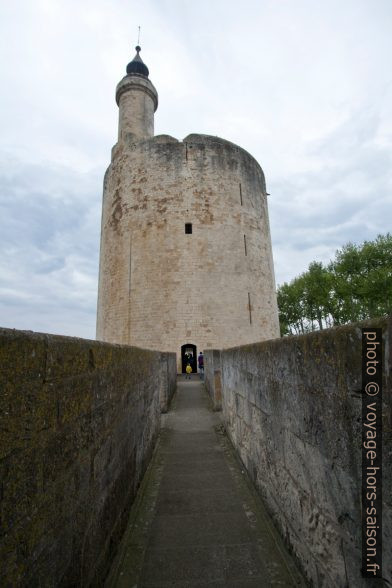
<point x="304" y="85"/>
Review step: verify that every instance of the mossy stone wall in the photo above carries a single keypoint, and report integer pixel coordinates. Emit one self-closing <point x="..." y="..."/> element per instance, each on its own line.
<point x="212" y="375"/>
<point x="293" y="408"/>
<point x="78" y="424"/>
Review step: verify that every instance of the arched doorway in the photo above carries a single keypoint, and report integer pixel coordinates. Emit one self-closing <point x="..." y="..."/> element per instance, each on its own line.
<point x="189" y="355"/>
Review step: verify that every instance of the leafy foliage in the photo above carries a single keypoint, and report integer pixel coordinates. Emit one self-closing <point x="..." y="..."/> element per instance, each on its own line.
<point x="356" y="285"/>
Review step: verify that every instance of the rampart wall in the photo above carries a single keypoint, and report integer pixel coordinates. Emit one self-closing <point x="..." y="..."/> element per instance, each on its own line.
<point x="292" y="408"/>
<point x="213" y="376"/>
<point x="78" y="424"/>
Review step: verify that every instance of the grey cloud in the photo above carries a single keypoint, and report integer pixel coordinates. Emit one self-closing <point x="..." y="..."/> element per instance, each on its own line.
<point x="347" y="199"/>
<point x="49" y="242"/>
<point x="307" y="93"/>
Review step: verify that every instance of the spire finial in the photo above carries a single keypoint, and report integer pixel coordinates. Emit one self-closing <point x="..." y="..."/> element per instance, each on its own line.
<point x="138" y="36"/>
<point x="136" y="66"/>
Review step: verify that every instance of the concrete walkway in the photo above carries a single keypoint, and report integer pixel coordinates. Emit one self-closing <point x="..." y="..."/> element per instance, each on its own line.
<point x="197" y="520"/>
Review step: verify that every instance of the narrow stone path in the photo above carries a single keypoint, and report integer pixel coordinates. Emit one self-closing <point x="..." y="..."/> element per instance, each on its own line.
<point x="197" y="520"/>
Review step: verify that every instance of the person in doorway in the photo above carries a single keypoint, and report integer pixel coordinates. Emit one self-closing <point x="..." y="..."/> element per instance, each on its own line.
<point x="188" y="370"/>
<point x="187" y="358"/>
<point x="200" y="361"/>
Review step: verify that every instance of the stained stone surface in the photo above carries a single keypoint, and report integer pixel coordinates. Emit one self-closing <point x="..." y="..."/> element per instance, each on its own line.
<point x="160" y="288"/>
<point x="198" y="521"/>
<point x="292" y="408"/>
<point x="78" y="424"/>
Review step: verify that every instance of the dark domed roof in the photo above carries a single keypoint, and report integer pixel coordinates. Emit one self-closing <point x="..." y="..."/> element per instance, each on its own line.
<point x="136" y="66"/>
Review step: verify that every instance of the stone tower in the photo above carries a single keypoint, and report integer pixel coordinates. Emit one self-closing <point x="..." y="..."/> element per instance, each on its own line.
<point x="186" y="260"/>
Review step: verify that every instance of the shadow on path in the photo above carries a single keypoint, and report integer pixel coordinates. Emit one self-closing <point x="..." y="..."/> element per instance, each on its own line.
<point x="197" y="520"/>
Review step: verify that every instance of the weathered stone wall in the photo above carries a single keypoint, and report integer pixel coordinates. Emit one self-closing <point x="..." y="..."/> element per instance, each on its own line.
<point x="212" y="375"/>
<point x="169" y="379"/>
<point x="78" y="424"/>
<point x="292" y="408"/>
<point x="160" y="288"/>
<point x="137" y="101"/>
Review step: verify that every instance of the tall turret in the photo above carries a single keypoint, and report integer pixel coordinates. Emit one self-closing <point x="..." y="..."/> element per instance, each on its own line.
<point x="137" y="100"/>
<point x="186" y="260"/>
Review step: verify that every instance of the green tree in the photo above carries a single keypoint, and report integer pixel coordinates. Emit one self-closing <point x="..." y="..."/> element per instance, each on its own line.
<point x="356" y="285"/>
<point x="291" y="307"/>
<point x="317" y="295"/>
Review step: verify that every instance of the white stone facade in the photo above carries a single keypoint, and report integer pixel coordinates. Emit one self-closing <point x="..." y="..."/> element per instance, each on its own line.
<point x="161" y="288"/>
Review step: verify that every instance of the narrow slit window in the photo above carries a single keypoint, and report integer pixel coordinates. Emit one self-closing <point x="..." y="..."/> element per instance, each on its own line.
<point x="246" y="251"/>
<point x="241" y="194"/>
<point x="250" y="309"/>
<point x="188" y="228"/>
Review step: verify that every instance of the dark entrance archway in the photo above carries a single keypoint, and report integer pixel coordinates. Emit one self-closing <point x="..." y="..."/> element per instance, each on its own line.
<point x="188" y="355"/>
